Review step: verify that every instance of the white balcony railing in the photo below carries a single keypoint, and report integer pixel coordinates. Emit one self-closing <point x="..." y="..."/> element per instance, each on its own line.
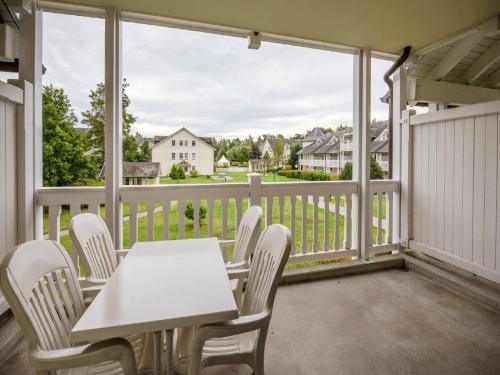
<point x="154" y="212"/>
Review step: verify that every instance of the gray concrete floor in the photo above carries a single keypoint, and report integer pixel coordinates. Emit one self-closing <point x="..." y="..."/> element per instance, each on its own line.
<point x="391" y="322"/>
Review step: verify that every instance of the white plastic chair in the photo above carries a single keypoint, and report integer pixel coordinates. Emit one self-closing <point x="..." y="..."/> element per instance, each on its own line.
<point x="40" y="284"/>
<point x="244" y="245"/>
<point x="92" y="241"/>
<point x="243" y="340"/>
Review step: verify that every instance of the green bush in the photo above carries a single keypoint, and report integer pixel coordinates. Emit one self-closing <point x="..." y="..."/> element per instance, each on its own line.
<point x="189" y="212"/>
<point x="194" y="173"/>
<point x="177" y="173"/>
<point x="305" y="175"/>
<point x="376" y="172"/>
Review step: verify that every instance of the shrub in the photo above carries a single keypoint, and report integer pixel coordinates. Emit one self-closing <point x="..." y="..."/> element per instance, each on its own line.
<point x="305" y="175"/>
<point x="193" y="173"/>
<point x="177" y="173"/>
<point x="376" y="172"/>
<point x="189" y="212"/>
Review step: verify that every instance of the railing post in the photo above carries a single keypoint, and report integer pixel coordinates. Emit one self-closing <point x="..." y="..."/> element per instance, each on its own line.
<point x="362" y="210"/>
<point x="255" y="182"/>
<point x="113" y="125"/>
<point x="30" y="70"/>
<point x="406" y="179"/>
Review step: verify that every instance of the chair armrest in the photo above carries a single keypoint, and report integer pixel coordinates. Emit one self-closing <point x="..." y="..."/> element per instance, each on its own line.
<point x="238" y="273"/>
<point x="236" y="265"/>
<point x="117" y="349"/>
<point x="226" y="243"/>
<point x="233" y="327"/>
<point x="92" y="291"/>
<point x="121" y="253"/>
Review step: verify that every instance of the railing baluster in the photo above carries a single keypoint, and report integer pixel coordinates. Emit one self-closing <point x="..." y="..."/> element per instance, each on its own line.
<point x="347" y="221"/>
<point x="150" y="208"/>
<point x="293" y="200"/>
<point x="379" y="217"/>
<point x="196" y="221"/>
<point x="181" y="205"/>
<point x="315" y="244"/>
<point x="337" y="221"/>
<point x="74" y="209"/>
<point x="388" y="217"/>
<point x="281" y="215"/>
<point x="166" y="220"/>
<point x="304" y="203"/>
<point x="326" y="223"/>
<point x="132" y="222"/>
<point x="239" y="211"/>
<point x="210" y="205"/>
<point x="224" y="204"/>
<point x="54" y="223"/>
<point x="94" y="208"/>
<point x="269" y="211"/>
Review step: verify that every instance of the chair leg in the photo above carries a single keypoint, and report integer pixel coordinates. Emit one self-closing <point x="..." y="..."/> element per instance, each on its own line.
<point x="195" y="360"/>
<point x="258" y="367"/>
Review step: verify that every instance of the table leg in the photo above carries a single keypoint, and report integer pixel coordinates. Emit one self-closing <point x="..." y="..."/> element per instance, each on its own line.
<point x="169" y="352"/>
<point x="157" y="352"/>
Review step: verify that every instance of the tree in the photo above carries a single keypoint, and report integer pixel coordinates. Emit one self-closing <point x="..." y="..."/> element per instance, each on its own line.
<point x="254" y="151"/>
<point x="243" y="153"/>
<point x="278" y="147"/>
<point x="294" y="156"/>
<point x="376" y="172"/>
<point x="267" y="158"/>
<point x="66" y="161"/>
<point x="94" y="118"/>
<point x="343" y="127"/>
<point x="189" y="212"/>
<point x="145" y="151"/>
<point x="177" y="172"/>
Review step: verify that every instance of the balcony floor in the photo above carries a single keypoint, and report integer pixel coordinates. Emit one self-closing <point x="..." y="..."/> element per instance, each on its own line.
<point x="390" y="322"/>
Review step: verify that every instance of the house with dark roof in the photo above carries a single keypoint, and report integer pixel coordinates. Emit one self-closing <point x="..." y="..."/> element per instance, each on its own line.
<point x="137" y="173"/>
<point x="330" y="152"/>
<point x="267" y="147"/>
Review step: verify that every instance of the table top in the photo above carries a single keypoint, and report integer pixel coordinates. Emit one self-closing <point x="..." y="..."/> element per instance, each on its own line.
<point x="160" y="285"/>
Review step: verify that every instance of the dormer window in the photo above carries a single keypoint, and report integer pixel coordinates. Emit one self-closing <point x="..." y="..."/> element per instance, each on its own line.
<point x="173" y="142"/>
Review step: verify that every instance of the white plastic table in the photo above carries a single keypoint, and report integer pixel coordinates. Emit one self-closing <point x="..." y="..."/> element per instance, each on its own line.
<point x="160" y="286"/>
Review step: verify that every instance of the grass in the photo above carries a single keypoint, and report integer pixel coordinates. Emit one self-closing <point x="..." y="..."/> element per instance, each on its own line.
<point x="235" y="178"/>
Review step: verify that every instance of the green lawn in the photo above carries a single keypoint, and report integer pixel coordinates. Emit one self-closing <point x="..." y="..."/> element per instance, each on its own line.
<point x="234" y="177"/>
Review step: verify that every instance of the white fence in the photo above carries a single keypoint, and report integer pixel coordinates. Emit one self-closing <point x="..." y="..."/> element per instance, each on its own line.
<point x="455" y="169"/>
<point x="156" y="212"/>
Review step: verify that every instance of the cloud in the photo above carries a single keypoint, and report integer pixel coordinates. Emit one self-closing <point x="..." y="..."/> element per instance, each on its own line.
<point x="209" y="83"/>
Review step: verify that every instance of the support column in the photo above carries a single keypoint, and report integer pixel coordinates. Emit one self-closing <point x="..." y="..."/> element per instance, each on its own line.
<point x="113" y="124"/>
<point x="30" y="69"/>
<point x="399" y="101"/>
<point x="362" y="213"/>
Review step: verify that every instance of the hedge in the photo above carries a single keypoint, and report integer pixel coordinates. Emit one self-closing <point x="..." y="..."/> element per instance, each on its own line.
<point x="306" y="175"/>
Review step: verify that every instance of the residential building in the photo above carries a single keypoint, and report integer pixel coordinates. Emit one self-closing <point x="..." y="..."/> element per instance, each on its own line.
<point x="186" y="149"/>
<point x="330" y="152"/>
<point x="268" y="145"/>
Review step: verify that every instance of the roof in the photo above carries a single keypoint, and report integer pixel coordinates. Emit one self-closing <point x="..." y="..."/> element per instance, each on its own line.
<point x="313" y="135"/>
<point x="380" y="146"/>
<point x="137" y="170"/>
<point x="223" y="160"/>
<point x="385" y="27"/>
<point x="206" y="140"/>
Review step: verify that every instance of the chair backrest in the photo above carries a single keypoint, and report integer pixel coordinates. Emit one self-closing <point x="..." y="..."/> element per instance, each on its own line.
<point x="39" y="281"/>
<point x="248" y="234"/>
<point x="270" y="256"/>
<point x="92" y="241"/>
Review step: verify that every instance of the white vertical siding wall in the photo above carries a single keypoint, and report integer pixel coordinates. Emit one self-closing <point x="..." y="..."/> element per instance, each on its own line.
<point x="8" y="192"/>
<point x="456" y="187"/>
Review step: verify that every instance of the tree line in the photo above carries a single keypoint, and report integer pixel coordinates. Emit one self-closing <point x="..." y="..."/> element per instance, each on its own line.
<point x="75" y="157"/>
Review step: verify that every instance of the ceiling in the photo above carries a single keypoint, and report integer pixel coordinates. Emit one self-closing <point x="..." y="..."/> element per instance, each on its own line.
<point x="383" y="25"/>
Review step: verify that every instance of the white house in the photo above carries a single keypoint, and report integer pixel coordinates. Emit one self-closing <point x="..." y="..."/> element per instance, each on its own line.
<point x="267" y="148"/>
<point x="184" y="148"/>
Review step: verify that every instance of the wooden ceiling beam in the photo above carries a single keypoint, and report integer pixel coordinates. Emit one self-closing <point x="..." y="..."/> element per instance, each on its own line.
<point x="490" y="57"/>
<point x="492" y="81"/>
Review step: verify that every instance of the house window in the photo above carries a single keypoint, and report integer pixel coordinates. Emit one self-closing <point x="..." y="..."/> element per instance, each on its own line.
<point x="181" y="143"/>
<point x="193" y="143"/>
<point x="186" y="143"/>
<point x="193" y="155"/>
<point x="173" y="142"/>
<point x="173" y="155"/>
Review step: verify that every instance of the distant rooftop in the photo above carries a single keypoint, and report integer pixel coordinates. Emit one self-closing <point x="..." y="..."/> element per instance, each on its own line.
<point x="137" y="170"/>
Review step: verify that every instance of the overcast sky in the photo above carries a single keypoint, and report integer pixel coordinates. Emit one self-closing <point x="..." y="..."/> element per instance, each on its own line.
<point x="214" y="85"/>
